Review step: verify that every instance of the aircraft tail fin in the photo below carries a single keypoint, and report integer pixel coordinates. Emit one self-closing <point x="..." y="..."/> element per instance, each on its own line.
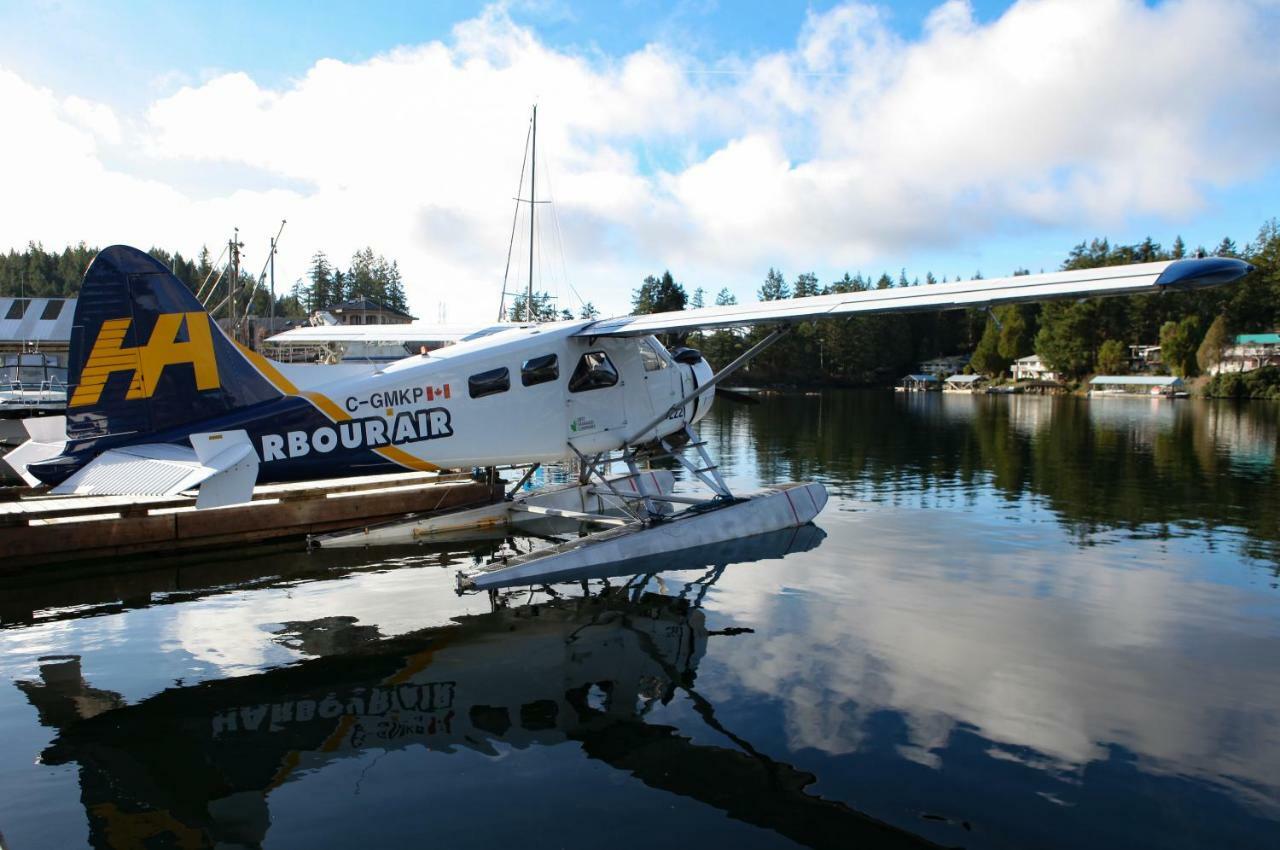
<point x="146" y="356"/>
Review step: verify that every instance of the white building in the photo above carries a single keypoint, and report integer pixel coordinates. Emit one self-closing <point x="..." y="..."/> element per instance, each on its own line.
<point x="1032" y="368"/>
<point x="1251" y="351"/>
<point x="944" y="366"/>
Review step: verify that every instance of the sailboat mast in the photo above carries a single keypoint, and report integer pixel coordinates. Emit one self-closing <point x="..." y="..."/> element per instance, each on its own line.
<point x="533" y="205"/>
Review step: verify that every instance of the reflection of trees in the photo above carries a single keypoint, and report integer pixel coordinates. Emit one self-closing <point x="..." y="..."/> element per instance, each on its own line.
<point x="1101" y="464"/>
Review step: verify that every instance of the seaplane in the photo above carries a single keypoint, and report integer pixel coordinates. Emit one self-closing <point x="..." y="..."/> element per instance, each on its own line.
<point x="161" y="402"/>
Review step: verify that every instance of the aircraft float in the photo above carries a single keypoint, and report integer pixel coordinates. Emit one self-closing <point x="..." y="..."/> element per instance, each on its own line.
<point x="161" y="402"/>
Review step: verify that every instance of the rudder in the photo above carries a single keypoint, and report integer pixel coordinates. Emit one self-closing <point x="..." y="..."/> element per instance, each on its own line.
<point x="146" y="356"/>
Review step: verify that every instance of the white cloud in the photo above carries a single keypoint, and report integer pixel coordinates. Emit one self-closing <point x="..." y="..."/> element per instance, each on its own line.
<point x="855" y="147"/>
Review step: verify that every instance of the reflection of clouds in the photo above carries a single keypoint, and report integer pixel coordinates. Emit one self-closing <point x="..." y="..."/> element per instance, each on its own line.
<point x="235" y="633"/>
<point x="1050" y="647"/>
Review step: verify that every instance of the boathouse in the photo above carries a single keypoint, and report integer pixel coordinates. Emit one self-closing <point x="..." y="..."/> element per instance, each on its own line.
<point x="1145" y="385"/>
<point x="919" y="383"/>
<point x="962" y="383"/>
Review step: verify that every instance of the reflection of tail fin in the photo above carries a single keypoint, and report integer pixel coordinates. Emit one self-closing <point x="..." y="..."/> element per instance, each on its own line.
<point x="145" y="356"/>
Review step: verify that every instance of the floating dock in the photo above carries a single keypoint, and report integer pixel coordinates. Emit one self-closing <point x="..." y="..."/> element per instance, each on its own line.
<point x="39" y="529"/>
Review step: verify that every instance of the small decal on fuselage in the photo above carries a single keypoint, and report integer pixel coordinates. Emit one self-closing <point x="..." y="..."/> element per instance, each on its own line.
<point x="405" y="397"/>
<point x="369" y="433"/>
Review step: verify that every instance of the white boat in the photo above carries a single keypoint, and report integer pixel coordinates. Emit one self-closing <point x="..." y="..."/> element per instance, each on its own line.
<point x="33" y="384"/>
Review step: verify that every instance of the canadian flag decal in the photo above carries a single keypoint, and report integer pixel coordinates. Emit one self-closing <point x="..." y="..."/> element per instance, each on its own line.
<point x="434" y="393"/>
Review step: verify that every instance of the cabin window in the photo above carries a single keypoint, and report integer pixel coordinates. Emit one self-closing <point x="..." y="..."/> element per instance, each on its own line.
<point x="594" y="371"/>
<point x="489" y="383"/>
<point x="539" y="370"/>
<point x="649" y="356"/>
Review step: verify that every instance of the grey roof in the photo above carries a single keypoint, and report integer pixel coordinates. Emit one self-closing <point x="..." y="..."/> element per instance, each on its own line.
<point x="964" y="379"/>
<point x="921" y="378"/>
<point x="1137" y="380"/>
<point x="365" y="304"/>
<point x="31" y="327"/>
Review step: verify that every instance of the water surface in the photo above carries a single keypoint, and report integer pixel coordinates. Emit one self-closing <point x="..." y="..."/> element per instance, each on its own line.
<point x="1020" y="622"/>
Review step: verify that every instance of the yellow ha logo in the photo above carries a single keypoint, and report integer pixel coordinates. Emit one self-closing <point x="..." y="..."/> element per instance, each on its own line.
<point x="147" y="362"/>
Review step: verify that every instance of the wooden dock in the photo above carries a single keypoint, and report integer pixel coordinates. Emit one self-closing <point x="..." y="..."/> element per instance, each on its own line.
<point x="40" y="529"/>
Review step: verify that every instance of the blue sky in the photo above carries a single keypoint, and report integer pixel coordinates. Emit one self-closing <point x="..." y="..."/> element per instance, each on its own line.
<point x="864" y="150"/>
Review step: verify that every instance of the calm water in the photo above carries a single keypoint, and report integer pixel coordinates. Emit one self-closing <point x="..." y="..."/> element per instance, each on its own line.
<point x="1020" y="622"/>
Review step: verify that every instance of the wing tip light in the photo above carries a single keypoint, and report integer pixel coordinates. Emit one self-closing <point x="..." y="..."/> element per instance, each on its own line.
<point x="1202" y="272"/>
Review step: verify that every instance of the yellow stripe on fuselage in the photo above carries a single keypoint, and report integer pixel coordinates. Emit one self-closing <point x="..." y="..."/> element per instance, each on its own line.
<point x="329" y="408"/>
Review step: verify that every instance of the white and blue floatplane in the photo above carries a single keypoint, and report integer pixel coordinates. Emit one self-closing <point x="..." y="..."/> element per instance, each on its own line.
<point x="161" y="402"/>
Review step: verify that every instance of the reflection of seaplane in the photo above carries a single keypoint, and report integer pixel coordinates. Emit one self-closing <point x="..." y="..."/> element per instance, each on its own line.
<point x="162" y="402"/>
<point x="197" y="765"/>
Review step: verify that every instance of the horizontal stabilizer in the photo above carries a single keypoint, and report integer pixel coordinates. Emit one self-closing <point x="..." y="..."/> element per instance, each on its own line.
<point x="221" y="461"/>
<point x="46" y="438"/>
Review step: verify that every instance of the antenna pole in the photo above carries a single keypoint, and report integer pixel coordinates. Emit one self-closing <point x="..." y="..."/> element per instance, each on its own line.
<point x="271" y="321"/>
<point x="533" y="205"/>
<point x="235" y="280"/>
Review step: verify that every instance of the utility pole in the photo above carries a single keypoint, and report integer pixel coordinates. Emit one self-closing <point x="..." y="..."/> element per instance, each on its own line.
<point x="533" y="205"/>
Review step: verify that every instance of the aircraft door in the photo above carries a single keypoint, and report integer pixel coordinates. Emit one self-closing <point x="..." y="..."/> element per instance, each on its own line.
<point x="661" y="377"/>
<point x="597" y="396"/>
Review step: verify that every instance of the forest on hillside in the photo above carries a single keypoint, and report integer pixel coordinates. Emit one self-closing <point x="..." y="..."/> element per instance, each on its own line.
<point x="38" y="273"/>
<point x="1075" y="338"/>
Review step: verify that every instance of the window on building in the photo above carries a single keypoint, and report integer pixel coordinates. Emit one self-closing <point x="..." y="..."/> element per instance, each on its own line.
<point x="489" y="383"/>
<point x="52" y="309"/>
<point x="539" y="370"/>
<point x="649" y="356"/>
<point x="17" y="308"/>
<point x="594" y="371"/>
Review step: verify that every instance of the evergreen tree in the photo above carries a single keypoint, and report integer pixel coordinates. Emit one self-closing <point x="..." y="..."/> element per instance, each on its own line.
<point x="319" y="294"/>
<point x="1066" y="340"/>
<point x="543" y="309"/>
<point x="1179" y="342"/>
<point x="698" y="300"/>
<point x="658" y="295"/>
<point x="1214" y="345"/>
<point x="725" y="298"/>
<point x="987" y="358"/>
<point x="1112" y="357"/>
<point x="775" y="287"/>
<point x="806" y="285"/>
<point x="588" y="311"/>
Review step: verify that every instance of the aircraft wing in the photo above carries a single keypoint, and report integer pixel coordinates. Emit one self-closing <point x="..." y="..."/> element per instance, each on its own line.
<point x="1111" y="280"/>
<point x="406" y="333"/>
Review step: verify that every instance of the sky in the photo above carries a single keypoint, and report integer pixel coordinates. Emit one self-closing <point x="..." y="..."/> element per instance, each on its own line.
<point x="713" y="139"/>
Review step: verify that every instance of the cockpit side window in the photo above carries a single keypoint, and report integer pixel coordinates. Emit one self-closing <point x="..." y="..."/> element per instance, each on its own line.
<point x="649" y="355"/>
<point x="539" y="370"/>
<point x="489" y="383"/>
<point x="594" y="371"/>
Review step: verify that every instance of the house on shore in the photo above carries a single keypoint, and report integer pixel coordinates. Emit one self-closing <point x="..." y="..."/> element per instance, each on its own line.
<point x="1032" y="368"/>
<point x="941" y="367"/>
<point x="366" y="311"/>
<point x="1144" y="358"/>
<point x="1250" y="351"/>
